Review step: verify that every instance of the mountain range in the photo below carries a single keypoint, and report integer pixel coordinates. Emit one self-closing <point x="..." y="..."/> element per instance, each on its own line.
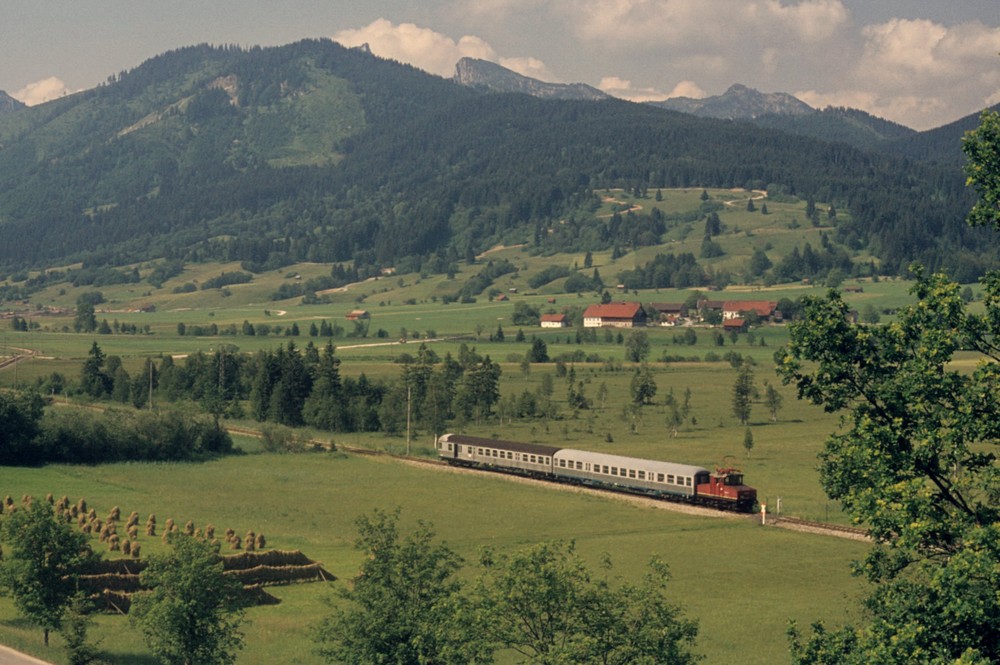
<point x="777" y="110"/>
<point x="315" y="152"/>
<point x="490" y="76"/>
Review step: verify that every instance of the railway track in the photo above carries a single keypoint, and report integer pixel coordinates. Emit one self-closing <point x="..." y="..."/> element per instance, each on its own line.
<point x="837" y="530"/>
<point x="791" y="523"/>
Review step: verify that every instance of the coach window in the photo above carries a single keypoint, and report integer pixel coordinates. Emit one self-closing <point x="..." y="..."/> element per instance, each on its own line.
<point x="614" y="471"/>
<point x="642" y="475"/>
<point x="670" y="479"/>
<point x="631" y="473"/>
<point x="659" y="477"/>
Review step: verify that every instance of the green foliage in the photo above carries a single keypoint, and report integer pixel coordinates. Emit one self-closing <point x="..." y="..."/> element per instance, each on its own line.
<point x="982" y="147"/>
<point x="404" y="605"/>
<point x="743" y="390"/>
<point x="76" y="622"/>
<point x="192" y="611"/>
<point x="637" y="346"/>
<point x="665" y="271"/>
<point x="643" y="386"/>
<point x="20" y="415"/>
<point x="917" y="465"/>
<point x="42" y="559"/>
<point x="544" y="604"/>
<point x="227" y="279"/>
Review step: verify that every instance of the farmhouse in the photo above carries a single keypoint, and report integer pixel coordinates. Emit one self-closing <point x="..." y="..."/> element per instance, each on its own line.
<point x="738" y="309"/>
<point x="358" y="314"/>
<point x="668" y="313"/>
<point x="554" y="321"/>
<point x="614" y="315"/>
<point x="739" y="325"/>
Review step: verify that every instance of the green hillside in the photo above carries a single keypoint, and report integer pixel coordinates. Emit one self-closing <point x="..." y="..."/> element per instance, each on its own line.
<point x="312" y="152"/>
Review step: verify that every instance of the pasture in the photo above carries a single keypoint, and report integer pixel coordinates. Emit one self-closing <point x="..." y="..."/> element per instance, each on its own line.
<point x="742" y="581"/>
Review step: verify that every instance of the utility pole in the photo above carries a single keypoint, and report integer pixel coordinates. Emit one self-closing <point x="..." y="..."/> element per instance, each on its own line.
<point x="408" y="393"/>
<point x="150" y="362"/>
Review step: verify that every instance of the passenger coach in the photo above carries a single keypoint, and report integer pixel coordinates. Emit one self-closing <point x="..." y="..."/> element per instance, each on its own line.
<point x="668" y="480"/>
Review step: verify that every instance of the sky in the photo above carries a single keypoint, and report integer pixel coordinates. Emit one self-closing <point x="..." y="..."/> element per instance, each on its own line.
<point x="922" y="63"/>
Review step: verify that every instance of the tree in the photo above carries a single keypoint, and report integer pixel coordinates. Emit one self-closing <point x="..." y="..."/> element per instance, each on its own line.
<point x="86" y="320"/>
<point x="192" y="611"/>
<point x="481" y="389"/>
<point x="544" y="604"/>
<point x="743" y="393"/>
<point x="773" y="400"/>
<point x="539" y="352"/>
<point x="918" y="462"/>
<point x="982" y="148"/>
<point x="637" y="346"/>
<point x="643" y="386"/>
<point x="41" y="563"/>
<point x="759" y="263"/>
<point x="404" y="605"/>
<point x="20" y="415"/>
<point x="870" y="314"/>
<point x="76" y="622"/>
<point x="94" y="381"/>
<point x="748" y="441"/>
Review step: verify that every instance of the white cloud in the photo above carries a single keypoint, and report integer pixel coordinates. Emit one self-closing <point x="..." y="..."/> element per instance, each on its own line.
<point x="41" y="91"/>
<point x="925" y="73"/>
<point x="623" y="89"/>
<point x="701" y="22"/>
<point x="532" y="67"/>
<point x="421" y="47"/>
<point x="687" y="89"/>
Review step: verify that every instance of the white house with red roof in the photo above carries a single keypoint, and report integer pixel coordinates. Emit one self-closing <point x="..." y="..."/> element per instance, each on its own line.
<point x="738" y="309"/>
<point x="615" y="315"/>
<point x="554" y="321"/>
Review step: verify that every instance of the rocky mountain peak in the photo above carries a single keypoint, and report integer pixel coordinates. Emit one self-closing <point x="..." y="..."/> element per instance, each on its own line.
<point x="477" y="73"/>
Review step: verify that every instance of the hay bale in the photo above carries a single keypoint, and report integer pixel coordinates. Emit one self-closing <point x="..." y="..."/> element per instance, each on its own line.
<point x="210" y="531"/>
<point x="127" y="548"/>
<point x="115" y="514"/>
<point x="261" y="543"/>
<point x="189" y="528"/>
<point x="136" y="549"/>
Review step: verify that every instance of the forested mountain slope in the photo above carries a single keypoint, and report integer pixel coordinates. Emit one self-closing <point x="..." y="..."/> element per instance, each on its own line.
<point x="315" y="152"/>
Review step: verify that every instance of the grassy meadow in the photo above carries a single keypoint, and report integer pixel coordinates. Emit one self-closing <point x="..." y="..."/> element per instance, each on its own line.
<point x="742" y="582"/>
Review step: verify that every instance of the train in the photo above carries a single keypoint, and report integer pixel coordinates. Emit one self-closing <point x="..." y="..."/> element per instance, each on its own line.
<point x="722" y="489"/>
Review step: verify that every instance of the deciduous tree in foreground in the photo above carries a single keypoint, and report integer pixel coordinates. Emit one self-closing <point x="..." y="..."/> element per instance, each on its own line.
<point x="42" y="559"/>
<point x="192" y="613"/>
<point x="917" y="463"/>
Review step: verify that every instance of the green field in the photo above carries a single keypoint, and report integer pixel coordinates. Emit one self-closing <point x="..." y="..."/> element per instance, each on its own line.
<point x="743" y="582"/>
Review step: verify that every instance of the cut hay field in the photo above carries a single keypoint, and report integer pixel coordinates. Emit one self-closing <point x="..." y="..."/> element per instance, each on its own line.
<point x="742" y="581"/>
